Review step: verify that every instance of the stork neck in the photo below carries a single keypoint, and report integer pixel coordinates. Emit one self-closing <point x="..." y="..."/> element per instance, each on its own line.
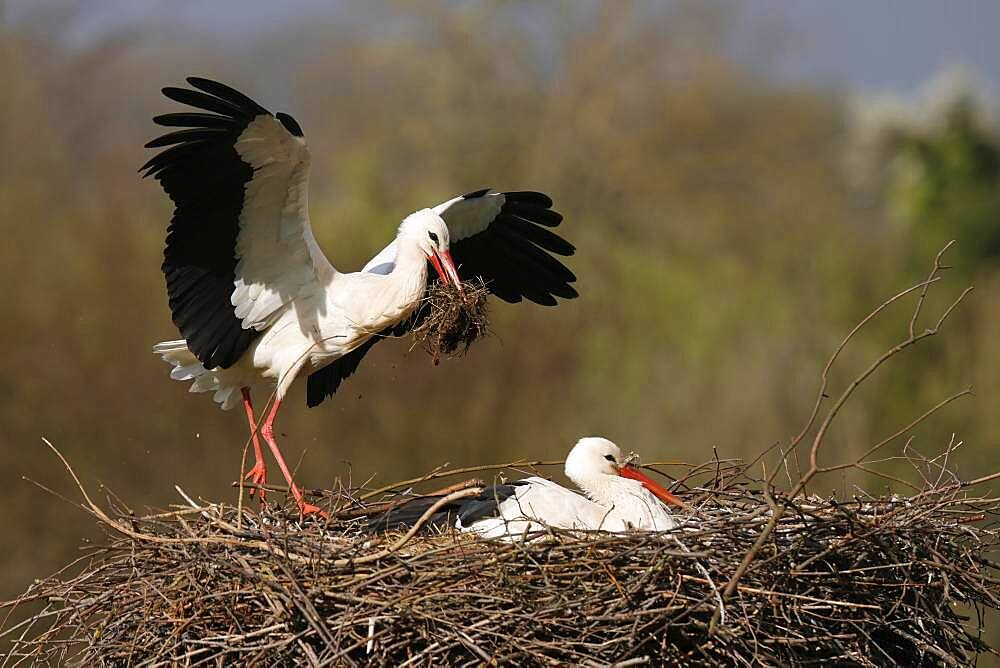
<point x="602" y="489"/>
<point x="410" y="260"/>
<point x="410" y="273"/>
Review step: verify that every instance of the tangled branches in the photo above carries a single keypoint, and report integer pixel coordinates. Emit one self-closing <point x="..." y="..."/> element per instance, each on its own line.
<point x="868" y="581"/>
<point x="912" y="339"/>
<point x="752" y="575"/>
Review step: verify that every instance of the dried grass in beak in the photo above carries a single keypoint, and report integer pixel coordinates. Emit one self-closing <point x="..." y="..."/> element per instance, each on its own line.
<point x="449" y="323"/>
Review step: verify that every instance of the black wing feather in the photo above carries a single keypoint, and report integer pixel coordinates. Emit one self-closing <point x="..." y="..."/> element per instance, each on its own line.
<point x="188" y="135"/>
<point x="325" y="382"/>
<point x="540" y="263"/>
<point x="534" y="214"/>
<point x="468" y="510"/>
<point x="539" y="236"/>
<point x="476" y="252"/>
<point x="231" y="95"/>
<point x="199" y="100"/>
<point x="193" y="120"/>
<point x="205" y="177"/>
<point x="512" y="255"/>
<point x="529" y="197"/>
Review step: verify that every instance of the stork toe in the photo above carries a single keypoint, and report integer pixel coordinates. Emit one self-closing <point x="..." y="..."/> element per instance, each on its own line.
<point x="257" y="476"/>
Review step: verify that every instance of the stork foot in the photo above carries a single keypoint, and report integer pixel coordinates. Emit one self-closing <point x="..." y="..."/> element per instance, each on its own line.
<point x="258" y="476"/>
<point x="306" y="508"/>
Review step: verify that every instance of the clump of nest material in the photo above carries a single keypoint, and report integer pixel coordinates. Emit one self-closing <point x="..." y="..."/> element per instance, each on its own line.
<point x="448" y="321"/>
<point x="865" y="581"/>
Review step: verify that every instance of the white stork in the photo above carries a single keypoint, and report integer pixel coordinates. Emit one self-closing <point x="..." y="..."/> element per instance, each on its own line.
<point x="616" y="497"/>
<point x="255" y="299"/>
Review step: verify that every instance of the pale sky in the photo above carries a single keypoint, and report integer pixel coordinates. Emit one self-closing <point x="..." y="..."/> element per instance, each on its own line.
<point x="862" y="44"/>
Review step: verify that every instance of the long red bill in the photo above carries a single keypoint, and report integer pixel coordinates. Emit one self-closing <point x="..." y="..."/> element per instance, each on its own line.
<point x="660" y="492"/>
<point x="437" y="267"/>
<point x="450" y="270"/>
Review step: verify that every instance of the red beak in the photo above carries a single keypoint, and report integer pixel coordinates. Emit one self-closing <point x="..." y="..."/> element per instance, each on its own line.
<point x="447" y="273"/>
<point x="629" y="471"/>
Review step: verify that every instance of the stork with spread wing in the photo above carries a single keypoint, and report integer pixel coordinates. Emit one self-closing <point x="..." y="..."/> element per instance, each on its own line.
<point x="255" y="299"/>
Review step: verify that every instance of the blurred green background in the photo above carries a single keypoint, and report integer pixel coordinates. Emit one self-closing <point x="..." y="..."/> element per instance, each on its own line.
<point x="743" y="181"/>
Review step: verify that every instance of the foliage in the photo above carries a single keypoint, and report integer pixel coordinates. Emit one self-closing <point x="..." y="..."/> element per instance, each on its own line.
<point x="721" y="248"/>
<point x="938" y="156"/>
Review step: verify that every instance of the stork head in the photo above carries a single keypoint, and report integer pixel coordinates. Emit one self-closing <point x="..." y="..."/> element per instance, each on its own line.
<point x="594" y="461"/>
<point x="428" y="232"/>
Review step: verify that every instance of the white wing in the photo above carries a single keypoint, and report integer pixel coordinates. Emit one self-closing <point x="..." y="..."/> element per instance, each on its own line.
<point x="464" y="215"/>
<point x="470" y="214"/>
<point x="539" y="503"/>
<point x="239" y="246"/>
<point x="278" y="257"/>
<point x="501" y="239"/>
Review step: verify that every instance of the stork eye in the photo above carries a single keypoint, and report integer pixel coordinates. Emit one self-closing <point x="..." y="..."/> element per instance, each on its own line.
<point x="610" y="458"/>
<point x="433" y="236"/>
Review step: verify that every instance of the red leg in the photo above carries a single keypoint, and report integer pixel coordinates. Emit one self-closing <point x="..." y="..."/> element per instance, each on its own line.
<point x="258" y="474"/>
<point x="268" y="431"/>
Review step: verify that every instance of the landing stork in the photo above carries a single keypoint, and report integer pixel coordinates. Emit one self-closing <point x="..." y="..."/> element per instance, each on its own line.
<point x="616" y="497"/>
<point x="255" y="299"/>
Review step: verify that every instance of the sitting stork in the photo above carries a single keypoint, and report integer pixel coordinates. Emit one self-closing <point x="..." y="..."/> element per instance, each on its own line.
<point x="617" y="497"/>
<point x="255" y="299"/>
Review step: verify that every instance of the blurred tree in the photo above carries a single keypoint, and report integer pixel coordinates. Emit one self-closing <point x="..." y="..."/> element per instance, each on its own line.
<point x="932" y="160"/>
<point x="947" y="184"/>
<point x="719" y="255"/>
<point x="940" y="158"/>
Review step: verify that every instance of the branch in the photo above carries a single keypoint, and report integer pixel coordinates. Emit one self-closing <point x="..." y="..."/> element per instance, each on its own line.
<point x="778" y="510"/>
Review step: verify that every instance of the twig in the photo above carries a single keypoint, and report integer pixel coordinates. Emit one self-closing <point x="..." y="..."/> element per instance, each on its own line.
<point x="778" y="510"/>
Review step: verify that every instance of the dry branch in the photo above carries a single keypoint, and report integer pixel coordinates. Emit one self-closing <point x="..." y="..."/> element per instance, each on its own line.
<point x="752" y="575"/>
<point x="869" y="581"/>
<point x="913" y="338"/>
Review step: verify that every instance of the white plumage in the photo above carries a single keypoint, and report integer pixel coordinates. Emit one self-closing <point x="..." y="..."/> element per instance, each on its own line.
<point x="255" y="298"/>
<point x="611" y="502"/>
<point x="616" y="497"/>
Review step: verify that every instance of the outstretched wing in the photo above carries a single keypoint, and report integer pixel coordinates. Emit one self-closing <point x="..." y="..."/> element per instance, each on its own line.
<point x="502" y="238"/>
<point x="239" y="246"/>
<point x="499" y="238"/>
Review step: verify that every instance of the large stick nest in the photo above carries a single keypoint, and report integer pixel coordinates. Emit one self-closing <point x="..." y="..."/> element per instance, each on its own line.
<point x="866" y="581"/>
